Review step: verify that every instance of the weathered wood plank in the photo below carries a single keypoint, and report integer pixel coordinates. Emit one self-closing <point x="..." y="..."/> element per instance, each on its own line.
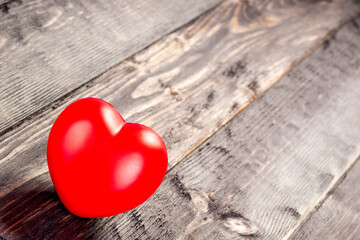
<point x="263" y="173"/>
<point x="49" y="48"/>
<point x="184" y="86"/>
<point x="339" y="216"/>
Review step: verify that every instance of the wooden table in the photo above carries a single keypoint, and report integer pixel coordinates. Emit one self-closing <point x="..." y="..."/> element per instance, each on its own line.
<point x="258" y="103"/>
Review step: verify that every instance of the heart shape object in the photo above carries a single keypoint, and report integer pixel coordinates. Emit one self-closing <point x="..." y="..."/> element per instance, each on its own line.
<point x="101" y="165"/>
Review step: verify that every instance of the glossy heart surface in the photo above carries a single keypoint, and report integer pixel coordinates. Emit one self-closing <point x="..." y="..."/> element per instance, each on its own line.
<point x="101" y="165"/>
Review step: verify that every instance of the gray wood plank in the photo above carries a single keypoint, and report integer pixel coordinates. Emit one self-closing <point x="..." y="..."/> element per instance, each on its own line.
<point x="339" y="216"/>
<point x="185" y="86"/>
<point x="49" y="48"/>
<point x="264" y="172"/>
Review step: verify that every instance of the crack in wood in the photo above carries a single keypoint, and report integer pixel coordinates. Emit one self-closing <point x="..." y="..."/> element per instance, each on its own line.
<point x="331" y="190"/>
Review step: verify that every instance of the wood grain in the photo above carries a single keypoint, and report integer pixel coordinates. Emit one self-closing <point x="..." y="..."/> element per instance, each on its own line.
<point x="266" y="170"/>
<point x="185" y="86"/>
<point x="49" y="48"/>
<point x="339" y="216"/>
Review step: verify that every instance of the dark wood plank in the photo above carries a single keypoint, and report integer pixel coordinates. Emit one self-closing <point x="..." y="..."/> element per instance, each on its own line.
<point x="339" y="216"/>
<point x="263" y="173"/>
<point x="49" y="48"/>
<point x="185" y="86"/>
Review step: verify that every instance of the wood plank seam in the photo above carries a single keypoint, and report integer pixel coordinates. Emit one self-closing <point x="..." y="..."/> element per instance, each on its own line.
<point x="323" y="42"/>
<point x="339" y="216"/>
<point x="332" y="188"/>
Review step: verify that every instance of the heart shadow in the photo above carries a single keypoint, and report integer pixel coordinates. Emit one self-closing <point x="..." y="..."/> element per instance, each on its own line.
<point x="34" y="211"/>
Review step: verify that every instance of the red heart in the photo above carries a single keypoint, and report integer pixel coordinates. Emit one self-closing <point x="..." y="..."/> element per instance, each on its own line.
<point x="101" y="165"/>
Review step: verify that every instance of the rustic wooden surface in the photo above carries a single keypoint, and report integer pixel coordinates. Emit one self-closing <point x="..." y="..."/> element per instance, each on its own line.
<point x="49" y="48"/>
<point x="339" y="216"/>
<point x="264" y="173"/>
<point x="195" y="79"/>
